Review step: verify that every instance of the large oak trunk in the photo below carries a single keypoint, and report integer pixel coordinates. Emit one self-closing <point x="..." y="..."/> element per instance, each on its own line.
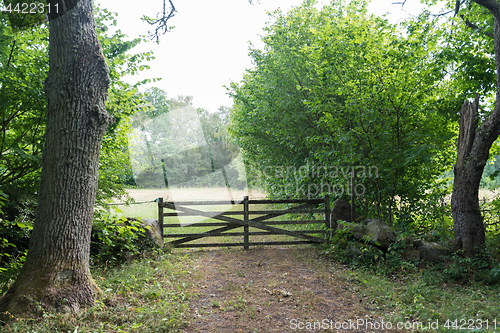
<point x="56" y="272"/>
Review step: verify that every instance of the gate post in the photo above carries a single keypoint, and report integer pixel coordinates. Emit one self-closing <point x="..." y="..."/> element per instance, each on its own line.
<point x="160" y="216"/>
<point x="328" y="222"/>
<point x="245" y="219"/>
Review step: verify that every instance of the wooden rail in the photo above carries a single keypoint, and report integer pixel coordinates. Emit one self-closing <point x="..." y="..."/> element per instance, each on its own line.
<point x="227" y="223"/>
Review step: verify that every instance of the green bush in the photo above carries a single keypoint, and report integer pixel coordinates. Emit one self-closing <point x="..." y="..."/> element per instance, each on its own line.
<point x="11" y="258"/>
<point x="495" y="274"/>
<point x="479" y="268"/>
<point x="10" y="266"/>
<point x="116" y="240"/>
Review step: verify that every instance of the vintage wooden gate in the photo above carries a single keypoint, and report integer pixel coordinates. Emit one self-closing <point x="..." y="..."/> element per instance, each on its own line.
<point x="263" y="222"/>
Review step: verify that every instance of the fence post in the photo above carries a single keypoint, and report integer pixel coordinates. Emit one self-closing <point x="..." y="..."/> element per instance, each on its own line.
<point x="328" y="222"/>
<point x="160" y="216"/>
<point x="245" y="227"/>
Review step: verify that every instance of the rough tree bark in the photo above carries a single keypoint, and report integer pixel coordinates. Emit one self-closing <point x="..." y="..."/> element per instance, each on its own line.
<point x="473" y="152"/>
<point x="467" y="218"/>
<point x="56" y="272"/>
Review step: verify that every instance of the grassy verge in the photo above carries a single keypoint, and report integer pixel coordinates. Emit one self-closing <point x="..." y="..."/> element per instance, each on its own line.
<point x="439" y="307"/>
<point x="150" y="295"/>
<point x="425" y="300"/>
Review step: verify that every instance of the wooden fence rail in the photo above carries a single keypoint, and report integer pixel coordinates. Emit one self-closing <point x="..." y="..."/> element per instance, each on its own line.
<point x="227" y="223"/>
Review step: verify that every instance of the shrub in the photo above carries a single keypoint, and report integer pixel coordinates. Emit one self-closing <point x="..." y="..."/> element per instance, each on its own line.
<point x="14" y="237"/>
<point x="480" y="268"/>
<point x="116" y="240"/>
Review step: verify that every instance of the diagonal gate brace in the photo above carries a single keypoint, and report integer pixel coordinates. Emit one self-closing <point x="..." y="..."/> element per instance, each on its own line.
<point x="236" y="223"/>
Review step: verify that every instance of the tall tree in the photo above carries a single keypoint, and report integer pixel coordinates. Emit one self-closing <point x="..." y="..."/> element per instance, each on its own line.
<point x="56" y="272"/>
<point x="475" y="141"/>
<point x="473" y="151"/>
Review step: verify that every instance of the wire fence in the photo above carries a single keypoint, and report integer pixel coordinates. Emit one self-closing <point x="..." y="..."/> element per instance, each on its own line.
<point x="491" y="217"/>
<point x="133" y="203"/>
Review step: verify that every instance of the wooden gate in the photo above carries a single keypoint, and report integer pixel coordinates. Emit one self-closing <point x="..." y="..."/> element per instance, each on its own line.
<point x="263" y="222"/>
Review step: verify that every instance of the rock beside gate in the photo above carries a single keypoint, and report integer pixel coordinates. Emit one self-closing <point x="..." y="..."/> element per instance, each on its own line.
<point x="151" y="229"/>
<point x="153" y="233"/>
<point x="417" y="249"/>
<point x="433" y="252"/>
<point x="374" y="231"/>
<point x="378" y="233"/>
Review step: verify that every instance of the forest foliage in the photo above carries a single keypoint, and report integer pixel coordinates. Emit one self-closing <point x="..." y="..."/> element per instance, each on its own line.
<point x="174" y="144"/>
<point x="23" y="69"/>
<point x="334" y="91"/>
<point x="337" y="90"/>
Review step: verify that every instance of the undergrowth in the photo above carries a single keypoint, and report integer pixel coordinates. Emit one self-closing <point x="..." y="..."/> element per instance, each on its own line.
<point x="114" y="240"/>
<point x="483" y="268"/>
<point x="150" y="295"/>
<point x="448" y="296"/>
<point x="428" y="301"/>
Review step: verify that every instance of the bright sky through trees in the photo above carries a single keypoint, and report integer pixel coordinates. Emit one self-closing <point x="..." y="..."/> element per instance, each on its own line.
<point x="209" y="46"/>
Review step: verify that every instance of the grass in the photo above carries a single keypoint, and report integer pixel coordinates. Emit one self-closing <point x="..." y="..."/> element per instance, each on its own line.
<point x="150" y="295"/>
<point x="424" y="296"/>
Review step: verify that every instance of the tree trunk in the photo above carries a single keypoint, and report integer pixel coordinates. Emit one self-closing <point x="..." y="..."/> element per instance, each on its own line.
<point x="56" y="272"/>
<point x="473" y="151"/>
<point x="467" y="218"/>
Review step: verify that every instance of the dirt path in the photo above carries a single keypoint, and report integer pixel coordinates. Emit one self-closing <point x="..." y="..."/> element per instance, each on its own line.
<point x="274" y="289"/>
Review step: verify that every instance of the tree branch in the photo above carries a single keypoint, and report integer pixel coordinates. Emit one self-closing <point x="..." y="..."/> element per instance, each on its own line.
<point x="161" y="22"/>
<point x="471" y="25"/>
<point x="11" y="52"/>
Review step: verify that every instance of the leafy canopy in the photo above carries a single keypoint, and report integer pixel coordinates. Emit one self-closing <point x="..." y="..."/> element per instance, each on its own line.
<point x="337" y="90"/>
